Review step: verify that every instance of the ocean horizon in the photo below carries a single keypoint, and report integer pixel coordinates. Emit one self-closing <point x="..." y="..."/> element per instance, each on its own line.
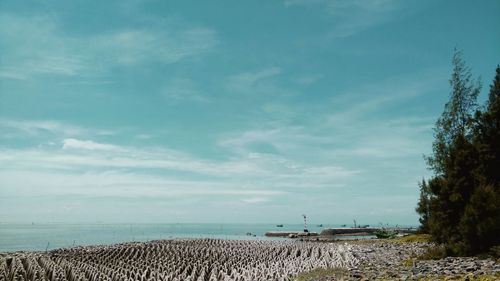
<point x="49" y="236"/>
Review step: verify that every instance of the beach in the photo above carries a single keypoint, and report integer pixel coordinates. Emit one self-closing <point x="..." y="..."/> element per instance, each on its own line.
<point x="243" y="260"/>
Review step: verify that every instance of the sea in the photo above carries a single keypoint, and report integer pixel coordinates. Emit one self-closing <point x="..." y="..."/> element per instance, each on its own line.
<point x="49" y="236"/>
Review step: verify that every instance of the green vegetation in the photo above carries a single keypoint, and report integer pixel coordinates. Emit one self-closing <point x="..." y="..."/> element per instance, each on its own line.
<point x="460" y="205"/>
<point x="434" y="253"/>
<point x="415" y="238"/>
<point x="317" y="273"/>
<point x="386" y="234"/>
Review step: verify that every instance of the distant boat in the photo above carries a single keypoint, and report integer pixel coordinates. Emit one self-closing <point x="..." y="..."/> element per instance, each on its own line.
<point x="320" y="225"/>
<point x="279" y="225"/>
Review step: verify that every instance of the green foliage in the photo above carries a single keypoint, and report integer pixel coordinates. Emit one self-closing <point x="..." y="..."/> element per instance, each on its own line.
<point x="434" y="253"/>
<point x="495" y="252"/>
<point x="487" y="134"/>
<point x="386" y="234"/>
<point x="423" y="207"/>
<point x="457" y="117"/>
<point x="414" y="238"/>
<point x="480" y="223"/>
<point x="460" y="205"/>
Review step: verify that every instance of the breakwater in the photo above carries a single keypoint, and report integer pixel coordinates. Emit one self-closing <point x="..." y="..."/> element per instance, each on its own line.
<point x="349" y="231"/>
<point x="290" y="234"/>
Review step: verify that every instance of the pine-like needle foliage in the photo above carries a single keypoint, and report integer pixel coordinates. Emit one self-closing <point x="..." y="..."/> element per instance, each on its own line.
<point x="460" y="205"/>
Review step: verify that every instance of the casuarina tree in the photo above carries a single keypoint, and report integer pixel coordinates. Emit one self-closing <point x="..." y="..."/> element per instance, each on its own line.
<point x="460" y="205"/>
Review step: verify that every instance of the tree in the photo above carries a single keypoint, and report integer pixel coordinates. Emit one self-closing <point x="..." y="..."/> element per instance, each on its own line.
<point x="487" y="134"/>
<point x="423" y="207"/>
<point x="460" y="204"/>
<point x="480" y="224"/>
<point x="449" y="201"/>
<point x="457" y="117"/>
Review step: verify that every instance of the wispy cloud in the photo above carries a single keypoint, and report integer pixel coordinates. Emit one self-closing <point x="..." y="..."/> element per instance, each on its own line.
<point x="256" y="82"/>
<point x="159" y="43"/>
<point x="280" y="139"/>
<point x="33" y="127"/>
<point x="353" y="16"/>
<point x="378" y="96"/>
<point x="308" y="79"/>
<point x="81" y="156"/>
<point x="35" y="45"/>
<point x="88" y="145"/>
<point x="250" y="78"/>
<point x="183" y="89"/>
<point x="77" y="169"/>
<point x="119" y="184"/>
<point x="255" y="200"/>
<point x="30" y="128"/>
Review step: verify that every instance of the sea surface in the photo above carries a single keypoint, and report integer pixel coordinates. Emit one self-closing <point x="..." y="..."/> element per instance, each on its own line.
<point x="49" y="236"/>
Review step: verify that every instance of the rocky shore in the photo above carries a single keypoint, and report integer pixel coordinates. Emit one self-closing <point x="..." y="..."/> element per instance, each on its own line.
<point x="389" y="260"/>
<point x="213" y="260"/>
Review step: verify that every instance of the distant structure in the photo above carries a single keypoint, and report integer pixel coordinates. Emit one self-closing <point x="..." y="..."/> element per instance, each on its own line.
<point x="305" y="223"/>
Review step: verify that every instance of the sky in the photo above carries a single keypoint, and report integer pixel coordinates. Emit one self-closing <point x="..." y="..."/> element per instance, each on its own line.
<point x="227" y="111"/>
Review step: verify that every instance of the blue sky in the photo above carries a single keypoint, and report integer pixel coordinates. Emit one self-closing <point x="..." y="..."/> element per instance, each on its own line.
<point x="227" y="111"/>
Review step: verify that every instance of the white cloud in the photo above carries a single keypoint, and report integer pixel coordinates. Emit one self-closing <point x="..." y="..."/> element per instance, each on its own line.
<point x="144" y="136"/>
<point x="38" y="45"/>
<point x="254" y="82"/>
<point x="370" y="98"/>
<point x="183" y="89"/>
<point x="160" y="44"/>
<point x="30" y="128"/>
<point x="281" y="140"/>
<point x="308" y="79"/>
<point x="33" y="127"/>
<point x="90" y="168"/>
<point x="118" y="184"/>
<point x="88" y="145"/>
<point x="253" y="77"/>
<point x="255" y="200"/>
<point x="353" y="16"/>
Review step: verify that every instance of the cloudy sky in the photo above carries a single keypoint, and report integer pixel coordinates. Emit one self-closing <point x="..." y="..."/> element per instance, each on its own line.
<point x="227" y="111"/>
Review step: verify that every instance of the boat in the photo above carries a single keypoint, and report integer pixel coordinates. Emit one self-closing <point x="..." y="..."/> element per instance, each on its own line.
<point x="279" y="225"/>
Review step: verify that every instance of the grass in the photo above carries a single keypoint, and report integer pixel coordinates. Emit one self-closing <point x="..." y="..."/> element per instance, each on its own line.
<point x="414" y="238"/>
<point x="317" y="273"/>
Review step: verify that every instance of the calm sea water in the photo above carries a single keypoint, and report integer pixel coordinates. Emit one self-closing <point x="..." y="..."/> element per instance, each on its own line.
<point x="19" y="237"/>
